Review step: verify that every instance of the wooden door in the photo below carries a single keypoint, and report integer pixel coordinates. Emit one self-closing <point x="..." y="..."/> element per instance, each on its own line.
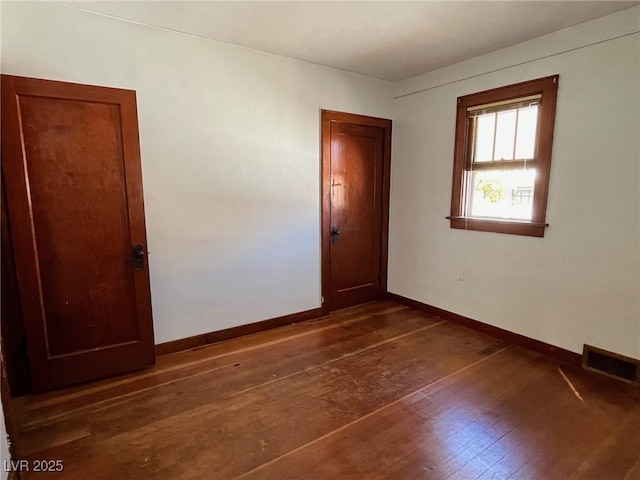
<point x="356" y="153"/>
<point x="71" y="168"/>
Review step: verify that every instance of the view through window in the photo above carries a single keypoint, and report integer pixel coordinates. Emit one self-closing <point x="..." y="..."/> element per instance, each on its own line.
<point x="507" y="134"/>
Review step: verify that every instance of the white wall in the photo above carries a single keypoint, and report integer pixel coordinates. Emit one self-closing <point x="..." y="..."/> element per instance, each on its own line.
<point x="581" y="282"/>
<point x="230" y="142"/>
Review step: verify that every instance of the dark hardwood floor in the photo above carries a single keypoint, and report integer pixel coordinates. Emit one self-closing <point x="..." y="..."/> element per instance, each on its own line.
<point x="379" y="391"/>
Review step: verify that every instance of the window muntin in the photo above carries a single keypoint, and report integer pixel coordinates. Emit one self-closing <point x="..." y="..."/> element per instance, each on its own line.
<point x="505" y="134"/>
<point x="502" y="158"/>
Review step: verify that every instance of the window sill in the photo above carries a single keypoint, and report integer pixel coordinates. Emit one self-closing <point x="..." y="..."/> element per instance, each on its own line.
<point x="512" y="227"/>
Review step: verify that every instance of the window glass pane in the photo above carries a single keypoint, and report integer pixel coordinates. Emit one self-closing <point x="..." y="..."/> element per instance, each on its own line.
<point x="502" y="194"/>
<point x="526" y="136"/>
<point x="484" y="137"/>
<point x="505" y="135"/>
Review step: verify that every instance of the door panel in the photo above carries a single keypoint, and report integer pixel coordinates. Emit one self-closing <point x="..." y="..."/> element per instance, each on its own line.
<point x="74" y="195"/>
<point x="355" y="203"/>
<point x="356" y="167"/>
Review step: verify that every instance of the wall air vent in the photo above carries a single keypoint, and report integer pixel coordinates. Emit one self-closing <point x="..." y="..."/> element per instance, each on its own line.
<point x="611" y="364"/>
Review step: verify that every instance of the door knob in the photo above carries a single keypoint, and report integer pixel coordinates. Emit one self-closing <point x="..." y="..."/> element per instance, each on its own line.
<point x="138" y="257"/>
<point x="335" y="233"/>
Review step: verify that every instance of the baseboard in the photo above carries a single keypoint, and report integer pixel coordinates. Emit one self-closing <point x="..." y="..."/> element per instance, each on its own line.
<point x="559" y="354"/>
<point x="233" y="332"/>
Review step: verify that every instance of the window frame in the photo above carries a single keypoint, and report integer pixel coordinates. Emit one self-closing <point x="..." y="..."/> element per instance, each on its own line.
<point x="548" y="88"/>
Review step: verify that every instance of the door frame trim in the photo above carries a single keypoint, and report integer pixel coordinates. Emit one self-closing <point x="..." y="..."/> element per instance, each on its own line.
<point x="327" y="118"/>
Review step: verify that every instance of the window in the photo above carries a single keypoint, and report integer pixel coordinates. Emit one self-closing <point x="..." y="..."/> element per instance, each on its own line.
<point x="502" y="158"/>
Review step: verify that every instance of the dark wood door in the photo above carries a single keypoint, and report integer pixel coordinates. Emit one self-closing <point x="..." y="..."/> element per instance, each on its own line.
<point x="356" y="161"/>
<point x="71" y="167"/>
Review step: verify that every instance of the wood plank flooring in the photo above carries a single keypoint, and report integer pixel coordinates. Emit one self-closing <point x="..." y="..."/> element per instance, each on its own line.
<point x="379" y="391"/>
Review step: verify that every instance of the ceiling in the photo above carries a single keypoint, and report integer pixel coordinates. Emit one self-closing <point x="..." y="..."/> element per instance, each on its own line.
<point x="389" y="40"/>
